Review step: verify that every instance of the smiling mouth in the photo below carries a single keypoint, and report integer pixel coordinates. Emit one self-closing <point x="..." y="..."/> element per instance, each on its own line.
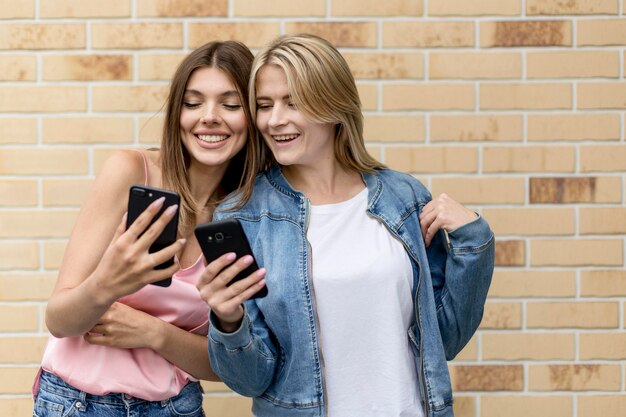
<point x="285" y="138"/>
<point x="212" y="138"/>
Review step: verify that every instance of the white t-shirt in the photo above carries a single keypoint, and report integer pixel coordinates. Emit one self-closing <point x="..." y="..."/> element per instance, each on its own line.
<point x="362" y="279"/>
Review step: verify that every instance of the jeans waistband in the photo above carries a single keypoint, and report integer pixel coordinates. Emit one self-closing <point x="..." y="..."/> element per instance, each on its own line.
<point x="52" y="383"/>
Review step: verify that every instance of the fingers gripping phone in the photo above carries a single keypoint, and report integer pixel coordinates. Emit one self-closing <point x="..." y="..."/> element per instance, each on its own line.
<point x="224" y="236"/>
<point x="139" y="198"/>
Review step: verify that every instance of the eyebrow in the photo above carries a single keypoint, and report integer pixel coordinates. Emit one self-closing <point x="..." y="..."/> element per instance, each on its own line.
<point x="229" y="93"/>
<point x="287" y="97"/>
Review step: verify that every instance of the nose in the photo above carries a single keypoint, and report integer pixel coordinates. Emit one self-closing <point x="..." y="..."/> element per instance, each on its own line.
<point x="277" y="117"/>
<point x="211" y="115"/>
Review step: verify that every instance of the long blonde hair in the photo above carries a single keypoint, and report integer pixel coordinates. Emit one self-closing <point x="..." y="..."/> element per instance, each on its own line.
<point x="322" y="87"/>
<point x="235" y="60"/>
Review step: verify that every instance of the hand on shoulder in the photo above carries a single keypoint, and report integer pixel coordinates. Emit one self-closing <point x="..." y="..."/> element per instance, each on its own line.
<point x="443" y="212"/>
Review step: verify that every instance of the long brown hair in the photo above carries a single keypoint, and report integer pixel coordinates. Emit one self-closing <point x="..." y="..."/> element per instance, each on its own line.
<point x="235" y="60"/>
<point x="322" y="87"/>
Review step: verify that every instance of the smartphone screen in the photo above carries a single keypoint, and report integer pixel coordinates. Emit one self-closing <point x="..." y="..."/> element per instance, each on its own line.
<point x="139" y="198"/>
<point x="224" y="236"/>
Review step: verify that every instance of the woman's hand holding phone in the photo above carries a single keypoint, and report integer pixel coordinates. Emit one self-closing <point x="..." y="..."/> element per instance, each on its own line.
<point x="127" y="265"/>
<point x="226" y="300"/>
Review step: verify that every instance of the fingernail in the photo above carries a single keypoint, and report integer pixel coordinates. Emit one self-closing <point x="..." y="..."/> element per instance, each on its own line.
<point x="171" y="210"/>
<point x="182" y="241"/>
<point x="247" y="259"/>
<point x="159" y="202"/>
<point x="260" y="272"/>
<point x="231" y="256"/>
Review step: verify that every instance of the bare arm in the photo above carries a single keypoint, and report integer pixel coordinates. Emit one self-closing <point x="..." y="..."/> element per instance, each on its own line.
<point x="127" y="328"/>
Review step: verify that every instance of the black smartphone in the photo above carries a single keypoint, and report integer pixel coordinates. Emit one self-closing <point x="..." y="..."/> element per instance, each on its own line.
<point x="220" y="237"/>
<point x="139" y="198"/>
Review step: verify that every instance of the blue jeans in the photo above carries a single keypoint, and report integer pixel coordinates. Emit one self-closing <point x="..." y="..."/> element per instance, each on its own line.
<point x="59" y="399"/>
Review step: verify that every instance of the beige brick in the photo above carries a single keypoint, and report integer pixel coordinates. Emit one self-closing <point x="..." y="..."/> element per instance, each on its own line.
<point x="601" y="32"/>
<point x="474" y="8"/>
<point x="43" y="161"/>
<point x="428" y="97"/>
<point x="53" y="251"/>
<point x="231" y="406"/>
<point x="375" y="152"/>
<point x="587" y="377"/>
<point x="17" y="10"/>
<point x="368" y="93"/>
<point x="510" y="253"/>
<point x="502" y="316"/>
<point x="603" y="283"/>
<point x="601" y="405"/>
<point x="19" y="131"/>
<point x="464" y="406"/>
<point x="572" y="64"/>
<point x="469" y="352"/>
<point x="529" y="159"/>
<point x="601" y="96"/>
<point x="36" y="224"/>
<point x="209" y="386"/>
<point x="144" y="98"/>
<point x="582" y="252"/>
<point x="19" y="255"/>
<point x="576" y="190"/>
<point x="526" y="33"/>
<point x="581" y="315"/>
<point x="16" y="406"/>
<point x="475" y="65"/>
<point x="394" y="128"/>
<point x="55" y="9"/>
<point x="582" y="7"/>
<point x="18" y="318"/>
<point x="525" y="406"/>
<point x="386" y="65"/>
<point x="550" y="127"/>
<point x="87" y="67"/>
<point x="253" y="34"/>
<point x="83" y="130"/>
<point x="17" y="380"/>
<point x="475" y="128"/>
<point x="603" y="158"/>
<point x="180" y="8"/>
<point x="18" y="193"/>
<point x="506" y="190"/>
<point x="531" y="221"/>
<point x="376" y="8"/>
<point x="136" y="35"/>
<point x="427" y="34"/>
<point x="609" y="346"/>
<point x="527" y="346"/>
<point x="525" y="96"/>
<point x="15" y="350"/>
<point x="40" y="36"/>
<point x="340" y="34"/>
<point x="18" y="68"/>
<point x="20" y="287"/>
<point x="279" y="8"/>
<point x="158" y="67"/>
<point x="150" y="129"/>
<point x="65" y="192"/>
<point x="432" y="159"/>
<point x="487" y="377"/>
<point x="603" y="220"/>
<point x="43" y="99"/>
<point x="532" y="283"/>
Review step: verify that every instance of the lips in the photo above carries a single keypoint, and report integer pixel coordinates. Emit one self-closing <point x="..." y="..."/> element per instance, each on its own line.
<point x="212" y="138"/>
<point x="285" y="138"/>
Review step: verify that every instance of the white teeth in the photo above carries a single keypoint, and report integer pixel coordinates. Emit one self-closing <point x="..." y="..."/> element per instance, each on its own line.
<point x="212" y="138"/>
<point x="281" y="138"/>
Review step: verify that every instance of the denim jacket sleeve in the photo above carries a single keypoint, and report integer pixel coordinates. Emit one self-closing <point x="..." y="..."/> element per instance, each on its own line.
<point x="461" y="272"/>
<point x="246" y="359"/>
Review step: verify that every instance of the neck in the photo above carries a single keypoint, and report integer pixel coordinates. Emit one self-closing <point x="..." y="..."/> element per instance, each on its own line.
<point x="324" y="184"/>
<point x="204" y="183"/>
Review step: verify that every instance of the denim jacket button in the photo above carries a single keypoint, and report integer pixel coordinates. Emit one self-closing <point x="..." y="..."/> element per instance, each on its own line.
<point x="78" y="404"/>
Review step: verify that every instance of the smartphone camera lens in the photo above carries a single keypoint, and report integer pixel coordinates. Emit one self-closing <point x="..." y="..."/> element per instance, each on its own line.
<point x="138" y="192"/>
<point x="219" y="237"/>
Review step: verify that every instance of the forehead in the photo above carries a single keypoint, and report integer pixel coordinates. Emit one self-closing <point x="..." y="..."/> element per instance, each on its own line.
<point x="210" y="80"/>
<point x="271" y="77"/>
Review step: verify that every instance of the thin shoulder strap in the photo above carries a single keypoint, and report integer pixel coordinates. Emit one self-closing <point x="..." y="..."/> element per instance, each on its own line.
<point x="145" y="166"/>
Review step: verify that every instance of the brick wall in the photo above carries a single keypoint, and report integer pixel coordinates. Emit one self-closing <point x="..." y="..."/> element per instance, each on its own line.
<point x="514" y="107"/>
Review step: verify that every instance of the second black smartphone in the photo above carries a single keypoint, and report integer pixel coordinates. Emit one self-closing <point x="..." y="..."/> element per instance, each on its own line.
<point x="220" y="237"/>
<point x="139" y="198"/>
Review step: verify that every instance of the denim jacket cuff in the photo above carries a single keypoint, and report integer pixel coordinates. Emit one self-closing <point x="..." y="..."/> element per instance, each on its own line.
<point x="474" y="233"/>
<point x="237" y="339"/>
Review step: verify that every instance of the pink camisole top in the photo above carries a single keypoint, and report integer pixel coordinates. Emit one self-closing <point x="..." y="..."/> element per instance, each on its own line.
<point x="141" y="373"/>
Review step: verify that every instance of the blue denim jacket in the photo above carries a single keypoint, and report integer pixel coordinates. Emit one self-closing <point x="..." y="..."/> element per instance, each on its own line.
<point x="275" y="355"/>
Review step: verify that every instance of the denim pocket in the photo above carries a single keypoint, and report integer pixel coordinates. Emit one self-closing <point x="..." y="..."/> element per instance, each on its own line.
<point x="53" y="406"/>
<point x="188" y="403"/>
